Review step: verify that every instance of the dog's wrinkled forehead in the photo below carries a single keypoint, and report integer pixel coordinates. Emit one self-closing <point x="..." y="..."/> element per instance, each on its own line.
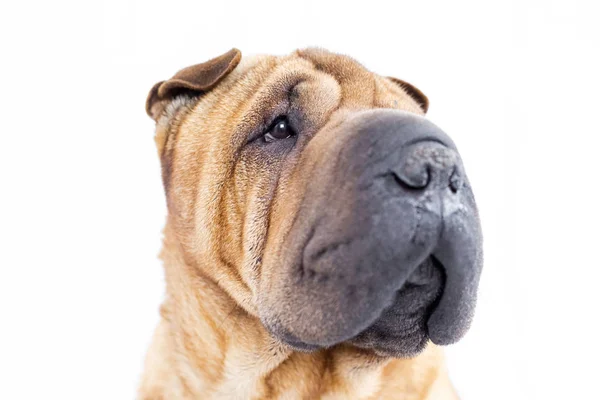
<point x="356" y="79"/>
<point x="359" y="85"/>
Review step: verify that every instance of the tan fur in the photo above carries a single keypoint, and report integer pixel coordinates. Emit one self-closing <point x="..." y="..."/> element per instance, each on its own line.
<point x="210" y="344"/>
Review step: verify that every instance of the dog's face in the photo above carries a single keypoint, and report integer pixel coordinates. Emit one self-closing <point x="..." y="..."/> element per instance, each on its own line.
<point x="319" y="197"/>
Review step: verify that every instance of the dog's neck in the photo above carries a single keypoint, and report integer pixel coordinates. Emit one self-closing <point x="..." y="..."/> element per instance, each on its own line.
<point x="206" y="346"/>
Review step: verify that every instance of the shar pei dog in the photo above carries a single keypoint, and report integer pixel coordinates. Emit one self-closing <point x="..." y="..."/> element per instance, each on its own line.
<point x="322" y="239"/>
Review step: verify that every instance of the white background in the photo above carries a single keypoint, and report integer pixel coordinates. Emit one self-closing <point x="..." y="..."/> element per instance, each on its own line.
<point x="515" y="83"/>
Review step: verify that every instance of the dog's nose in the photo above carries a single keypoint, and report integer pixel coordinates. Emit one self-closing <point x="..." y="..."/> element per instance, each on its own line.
<point x="389" y="194"/>
<point x="428" y="164"/>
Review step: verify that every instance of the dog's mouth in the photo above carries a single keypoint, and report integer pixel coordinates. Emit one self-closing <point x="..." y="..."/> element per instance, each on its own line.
<point x="390" y="257"/>
<point x="401" y="328"/>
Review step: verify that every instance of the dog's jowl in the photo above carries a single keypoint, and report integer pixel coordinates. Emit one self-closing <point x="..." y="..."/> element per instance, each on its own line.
<point x="322" y="238"/>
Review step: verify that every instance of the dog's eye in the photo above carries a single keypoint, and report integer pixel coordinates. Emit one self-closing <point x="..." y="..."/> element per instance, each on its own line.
<point x="281" y="129"/>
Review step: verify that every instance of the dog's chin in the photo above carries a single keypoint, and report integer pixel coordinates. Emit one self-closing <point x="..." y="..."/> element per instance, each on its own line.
<point x="401" y="329"/>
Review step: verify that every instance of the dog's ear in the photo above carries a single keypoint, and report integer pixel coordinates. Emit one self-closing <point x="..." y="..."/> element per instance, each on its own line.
<point x="194" y="80"/>
<point x="413" y="92"/>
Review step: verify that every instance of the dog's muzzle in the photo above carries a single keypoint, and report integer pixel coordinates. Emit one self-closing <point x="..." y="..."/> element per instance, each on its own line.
<point x="386" y="249"/>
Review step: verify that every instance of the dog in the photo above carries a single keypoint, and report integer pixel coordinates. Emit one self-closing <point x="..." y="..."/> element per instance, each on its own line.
<point x="322" y="239"/>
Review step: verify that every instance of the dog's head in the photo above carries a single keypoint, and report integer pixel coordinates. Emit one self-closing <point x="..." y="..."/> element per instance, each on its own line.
<point x="319" y="197"/>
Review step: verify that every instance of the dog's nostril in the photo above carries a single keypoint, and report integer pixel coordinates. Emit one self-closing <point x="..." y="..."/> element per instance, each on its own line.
<point x="424" y="164"/>
<point x="411" y="177"/>
<point x="456" y="181"/>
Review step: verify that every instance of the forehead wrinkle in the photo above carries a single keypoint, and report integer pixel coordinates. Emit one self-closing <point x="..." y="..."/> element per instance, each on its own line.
<point x="356" y="82"/>
<point x="315" y="100"/>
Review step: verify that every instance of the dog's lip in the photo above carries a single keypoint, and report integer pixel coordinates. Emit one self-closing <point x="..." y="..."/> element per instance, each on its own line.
<point x="291" y="340"/>
<point x="297" y="344"/>
<point x="300" y="345"/>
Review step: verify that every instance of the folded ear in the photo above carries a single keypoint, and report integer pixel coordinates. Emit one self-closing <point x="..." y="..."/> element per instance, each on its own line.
<point x="195" y="80"/>
<point x="413" y="92"/>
